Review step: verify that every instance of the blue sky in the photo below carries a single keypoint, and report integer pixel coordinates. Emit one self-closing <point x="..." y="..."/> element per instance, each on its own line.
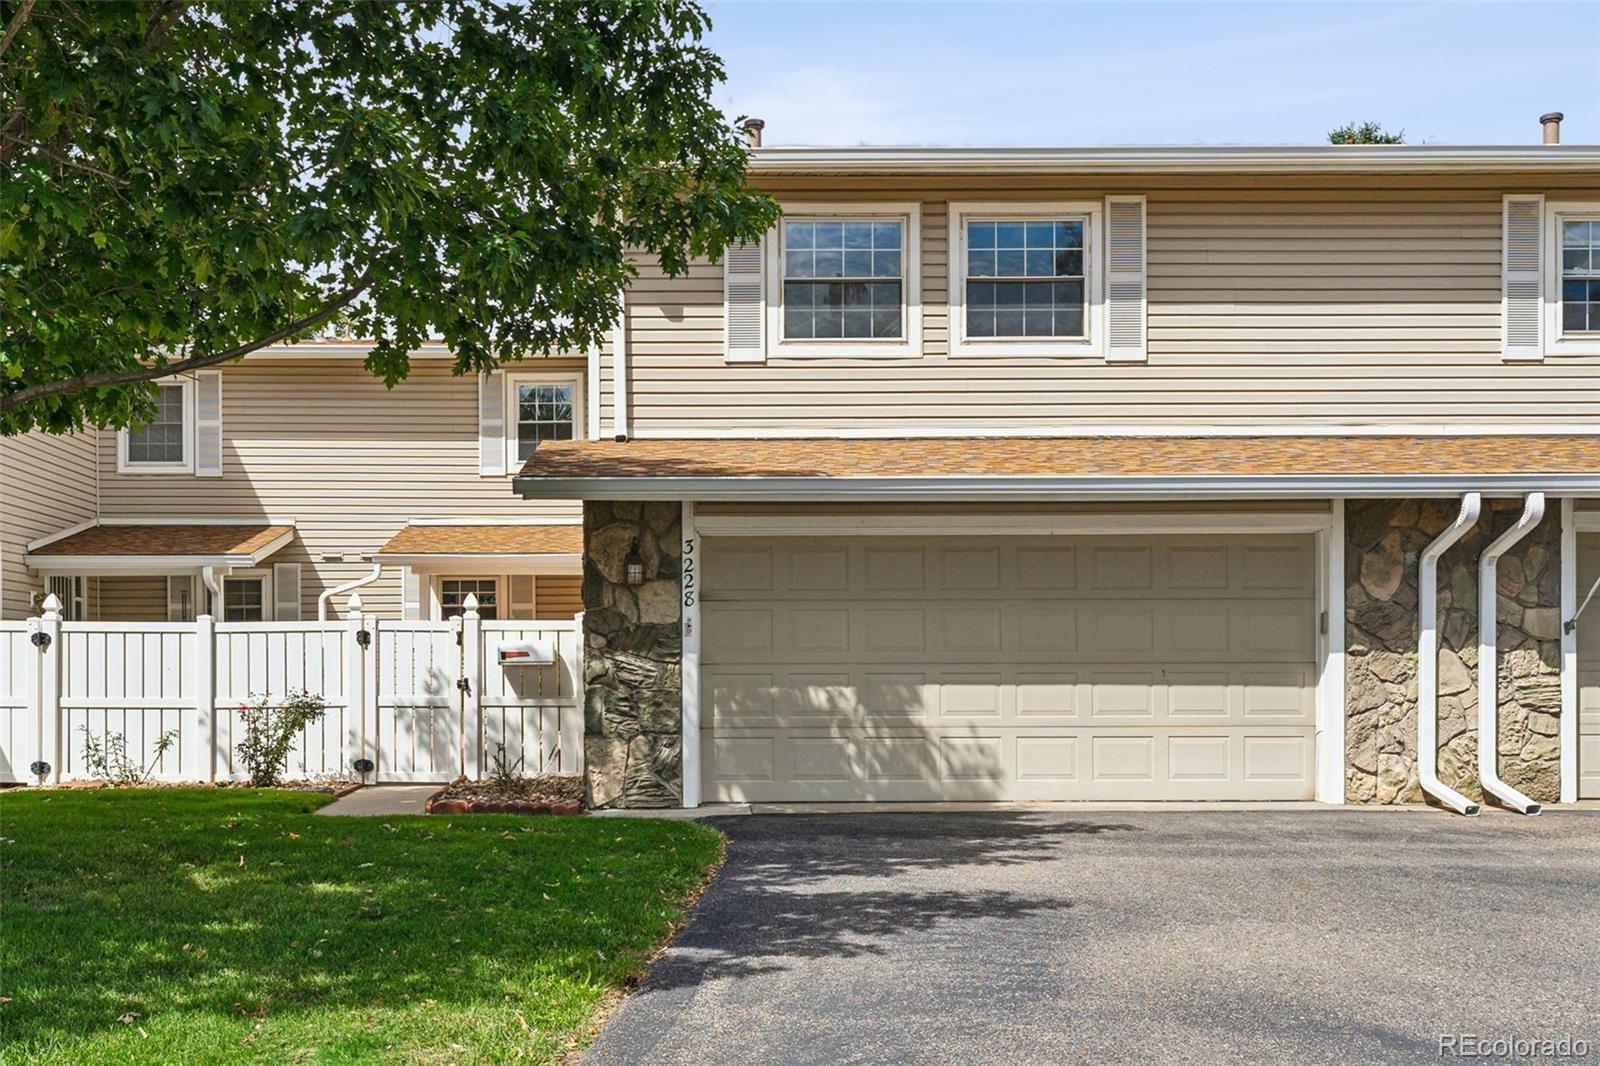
<point x="1157" y="73"/>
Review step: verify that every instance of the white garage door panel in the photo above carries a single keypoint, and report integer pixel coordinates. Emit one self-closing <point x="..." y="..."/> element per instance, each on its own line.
<point x="924" y="668"/>
<point x="1589" y="670"/>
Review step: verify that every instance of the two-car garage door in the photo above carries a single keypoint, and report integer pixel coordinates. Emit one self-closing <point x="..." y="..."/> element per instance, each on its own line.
<point x="890" y="668"/>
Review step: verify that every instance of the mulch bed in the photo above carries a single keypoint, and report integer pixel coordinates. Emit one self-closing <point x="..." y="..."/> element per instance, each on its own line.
<point x="548" y="794"/>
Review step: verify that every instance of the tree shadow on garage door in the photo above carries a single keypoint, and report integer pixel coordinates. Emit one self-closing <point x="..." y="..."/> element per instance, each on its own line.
<point x="801" y="887"/>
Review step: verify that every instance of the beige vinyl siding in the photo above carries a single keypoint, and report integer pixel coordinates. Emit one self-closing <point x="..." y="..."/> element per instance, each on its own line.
<point x="1281" y="300"/>
<point x="557" y="596"/>
<point x="323" y="443"/>
<point x="132" y="599"/>
<point x="47" y="484"/>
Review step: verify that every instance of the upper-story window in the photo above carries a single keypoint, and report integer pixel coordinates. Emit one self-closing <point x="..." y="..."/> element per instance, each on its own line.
<point x="1580" y="274"/>
<point x="1023" y="279"/>
<point x="165" y="444"/>
<point x="542" y="407"/>
<point x="843" y="279"/>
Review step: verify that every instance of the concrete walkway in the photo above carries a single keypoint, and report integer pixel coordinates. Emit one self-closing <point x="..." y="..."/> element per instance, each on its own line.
<point x="378" y="801"/>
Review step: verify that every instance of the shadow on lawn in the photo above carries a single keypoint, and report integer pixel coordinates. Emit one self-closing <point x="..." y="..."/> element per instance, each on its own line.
<point x="147" y="911"/>
<point x="780" y="896"/>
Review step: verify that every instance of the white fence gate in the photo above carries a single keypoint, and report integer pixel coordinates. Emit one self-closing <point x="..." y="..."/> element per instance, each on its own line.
<point x="423" y="701"/>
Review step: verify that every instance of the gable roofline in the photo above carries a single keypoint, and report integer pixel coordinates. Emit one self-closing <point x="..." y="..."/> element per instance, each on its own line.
<point x="1179" y="159"/>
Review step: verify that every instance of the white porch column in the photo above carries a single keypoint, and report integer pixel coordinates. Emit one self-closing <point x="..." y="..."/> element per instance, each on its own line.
<point x="1568" y="738"/>
<point x="1330" y="768"/>
<point x="691" y="658"/>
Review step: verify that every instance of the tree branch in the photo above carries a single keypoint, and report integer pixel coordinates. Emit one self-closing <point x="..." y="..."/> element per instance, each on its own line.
<point x="15" y="24"/>
<point x="84" y="382"/>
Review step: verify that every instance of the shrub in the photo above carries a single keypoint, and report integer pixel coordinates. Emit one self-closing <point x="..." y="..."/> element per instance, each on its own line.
<point x="269" y="733"/>
<point x="109" y="760"/>
<point x="505" y="774"/>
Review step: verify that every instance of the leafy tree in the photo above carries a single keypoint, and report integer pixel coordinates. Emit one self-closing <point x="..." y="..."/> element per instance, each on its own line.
<point x="1364" y="133"/>
<point x="185" y="181"/>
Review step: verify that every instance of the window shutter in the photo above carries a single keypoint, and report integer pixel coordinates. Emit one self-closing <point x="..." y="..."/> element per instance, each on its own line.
<point x="744" y="303"/>
<point x="208" y="423"/>
<point x="286" y="592"/>
<point x="521" y="597"/>
<point x="492" y="423"/>
<point x="411" y="595"/>
<point x="1126" y="303"/>
<point x="180" y="598"/>
<point x="1522" y="272"/>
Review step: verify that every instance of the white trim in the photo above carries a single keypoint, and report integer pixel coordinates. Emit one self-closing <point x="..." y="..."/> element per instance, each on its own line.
<point x="184" y="467"/>
<point x="1092" y="343"/>
<point x="518" y="378"/>
<point x="554" y="520"/>
<point x="693" y="582"/>
<point x="162" y="520"/>
<point x="911" y="430"/>
<point x="1331" y="710"/>
<point x="592" y="385"/>
<point x="1212" y="487"/>
<point x="1023" y="525"/>
<point x="1568" y="729"/>
<point x="619" y="371"/>
<point x="910" y="345"/>
<point x="1176" y="159"/>
<point x="35" y="545"/>
<point x="1555" y="344"/>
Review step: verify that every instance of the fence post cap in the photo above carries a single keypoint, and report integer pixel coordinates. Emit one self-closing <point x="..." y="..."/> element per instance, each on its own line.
<point x="52" y="607"/>
<point x="355" y="602"/>
<point x="470" y="605"/>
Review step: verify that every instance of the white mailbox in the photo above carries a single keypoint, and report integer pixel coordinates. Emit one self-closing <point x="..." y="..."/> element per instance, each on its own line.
<point x="526" y="653"/>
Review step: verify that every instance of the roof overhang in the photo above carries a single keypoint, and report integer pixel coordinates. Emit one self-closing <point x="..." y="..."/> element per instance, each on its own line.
<point x="497" y="562"/>
<point x="154" y="562"/>
<point x="1181" y="159"/>
<point x="1044" y="489"/>
<point x="1063" y="468"/>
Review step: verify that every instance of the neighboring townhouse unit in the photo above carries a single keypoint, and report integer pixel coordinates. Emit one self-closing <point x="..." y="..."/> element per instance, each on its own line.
<point x="988" y="474"/>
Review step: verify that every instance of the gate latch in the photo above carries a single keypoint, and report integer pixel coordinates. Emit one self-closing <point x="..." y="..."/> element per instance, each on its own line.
<point x="464" y="685"/>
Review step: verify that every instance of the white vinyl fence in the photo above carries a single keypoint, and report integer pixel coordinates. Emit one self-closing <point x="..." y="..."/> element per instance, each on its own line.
<point x="423" y="701"/>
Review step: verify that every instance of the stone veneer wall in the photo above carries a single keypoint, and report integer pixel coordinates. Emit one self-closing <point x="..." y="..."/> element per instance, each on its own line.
<point x="1383" y="546"/>
<point x="633" y="673"/>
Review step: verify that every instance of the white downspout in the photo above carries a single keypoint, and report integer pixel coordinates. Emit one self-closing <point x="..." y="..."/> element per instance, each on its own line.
<point x="213" y="581"/>
<point x="1488" y="659"/>
<point x="348" y="586"/>
<point x="1428" y="659"/>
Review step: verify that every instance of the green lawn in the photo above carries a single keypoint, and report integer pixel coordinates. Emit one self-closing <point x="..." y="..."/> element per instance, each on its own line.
<point x="200" y="926"/>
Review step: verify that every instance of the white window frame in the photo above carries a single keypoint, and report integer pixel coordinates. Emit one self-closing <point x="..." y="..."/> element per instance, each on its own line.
<point x="263" y="575"/>
<point x="436" y="592"/>
<point x="1092" y="343"/>
<point x="514" y="381"/>
<point x="909" y="344"/>
<point x="1555" y="342"/>
<point x="185" y="467"/>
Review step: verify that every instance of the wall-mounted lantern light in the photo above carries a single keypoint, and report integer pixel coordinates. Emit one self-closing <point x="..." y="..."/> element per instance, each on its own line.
<point x="41" y="770"/>
<point x="363" y="766"/>
<point x="633" y="567"/>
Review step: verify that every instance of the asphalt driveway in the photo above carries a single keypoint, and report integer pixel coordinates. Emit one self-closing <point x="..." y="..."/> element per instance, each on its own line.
<point x="1234" y="936"/>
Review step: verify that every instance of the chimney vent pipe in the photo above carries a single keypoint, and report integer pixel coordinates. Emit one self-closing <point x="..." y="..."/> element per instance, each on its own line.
<point x="752" y="131"/>
<point x="1551" y="121"/>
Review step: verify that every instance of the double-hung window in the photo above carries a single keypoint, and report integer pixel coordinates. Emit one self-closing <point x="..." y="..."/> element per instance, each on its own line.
<point x="1580" y="274"/>
<point x="1023" y="279"/>
<point x="848" y="281"/>
<point x="541" y="408"/>
<point x="244" y="599"/>
<point x="164" y="444"/>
